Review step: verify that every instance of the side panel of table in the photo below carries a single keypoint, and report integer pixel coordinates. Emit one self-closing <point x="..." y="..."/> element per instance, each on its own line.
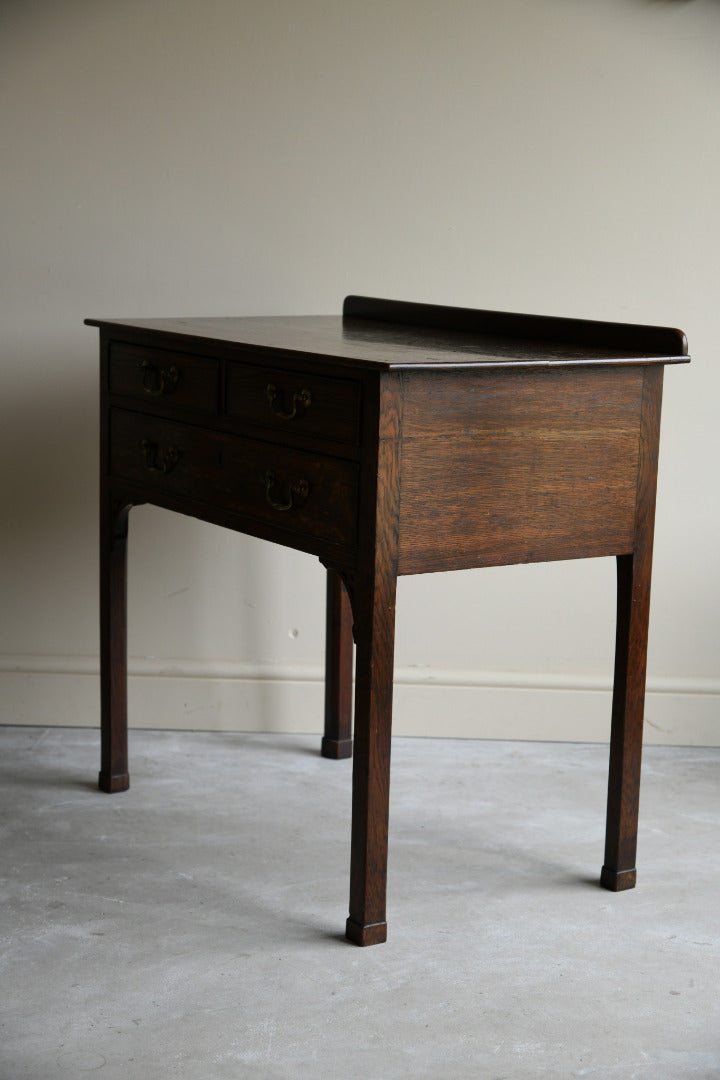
<point x="543" y="465"/>
<point x="518" y="466"/>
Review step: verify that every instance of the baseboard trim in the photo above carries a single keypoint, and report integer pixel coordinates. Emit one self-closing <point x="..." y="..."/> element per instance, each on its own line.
<point x="214" y="695"/>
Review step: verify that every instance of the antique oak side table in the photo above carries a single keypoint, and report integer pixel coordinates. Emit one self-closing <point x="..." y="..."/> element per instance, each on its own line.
<point x="399" y="438"/>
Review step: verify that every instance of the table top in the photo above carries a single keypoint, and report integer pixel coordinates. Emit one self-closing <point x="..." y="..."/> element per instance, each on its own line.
<point x="395" y="334"/>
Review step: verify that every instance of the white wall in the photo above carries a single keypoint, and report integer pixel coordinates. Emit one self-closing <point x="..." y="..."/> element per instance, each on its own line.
<point x="270" y="156"/>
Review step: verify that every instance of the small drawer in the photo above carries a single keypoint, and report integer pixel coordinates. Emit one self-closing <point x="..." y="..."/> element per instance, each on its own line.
<point x="294" y="401"/>
<point x="292" y="490"/>
<point x="303" y="492"/>
<point x="164" y="378"/>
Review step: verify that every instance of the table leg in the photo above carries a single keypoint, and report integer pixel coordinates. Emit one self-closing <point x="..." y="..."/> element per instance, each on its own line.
<point x="633" y="614"/>
<point x="113" y="648"/>
<point x="375" y="636"/>
<point x="337" y="740"/>
<point x="633" y="573"/>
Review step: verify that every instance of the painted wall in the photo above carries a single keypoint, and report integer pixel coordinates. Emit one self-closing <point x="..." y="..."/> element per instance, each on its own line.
<point x="171" y="158"/>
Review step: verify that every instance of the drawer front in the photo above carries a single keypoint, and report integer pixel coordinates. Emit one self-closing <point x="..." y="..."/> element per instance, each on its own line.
<point x="294" y="401"/>
<point x="164" y="378"/>
<point x="293" y="490"/>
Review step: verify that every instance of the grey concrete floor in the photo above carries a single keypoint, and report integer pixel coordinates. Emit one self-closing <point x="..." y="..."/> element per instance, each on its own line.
<point x="192" y="927"/>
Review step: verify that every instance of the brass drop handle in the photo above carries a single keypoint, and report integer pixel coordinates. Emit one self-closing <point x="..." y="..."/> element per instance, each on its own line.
<point x="157" y="380"/>
<point x="297" y="492"/>
<point x="158" y="462"/>
<point x="301" y="401"/>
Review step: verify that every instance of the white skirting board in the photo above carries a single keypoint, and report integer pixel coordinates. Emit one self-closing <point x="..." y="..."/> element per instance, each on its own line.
<point x="194" y="695"/>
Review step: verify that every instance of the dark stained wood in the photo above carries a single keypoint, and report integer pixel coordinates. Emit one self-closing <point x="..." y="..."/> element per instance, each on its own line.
<point x="524" y="466"/>
<point x="400" y="438"/>
<point x="163" y="379"/>
<point x="218" y="468"/>
<point x="570" y="400"/>
<point x="373" y="601"/>
<point x="633" y="613"/>
<point x="591" y="334"/>
<point x="397" y="339"/>
<point x="302" y="402"/>
<point x="114" y="775"/>
<point x="337" y="740"/>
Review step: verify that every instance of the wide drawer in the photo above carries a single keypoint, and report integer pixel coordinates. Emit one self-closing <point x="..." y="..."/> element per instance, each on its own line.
<point x="295" y="401"/>
<point x="165" y="378"/>
<point x="302" y="492"/>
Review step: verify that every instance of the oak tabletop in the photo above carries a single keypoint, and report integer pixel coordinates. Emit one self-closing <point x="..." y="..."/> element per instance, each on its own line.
<point x="396" y="334"/>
